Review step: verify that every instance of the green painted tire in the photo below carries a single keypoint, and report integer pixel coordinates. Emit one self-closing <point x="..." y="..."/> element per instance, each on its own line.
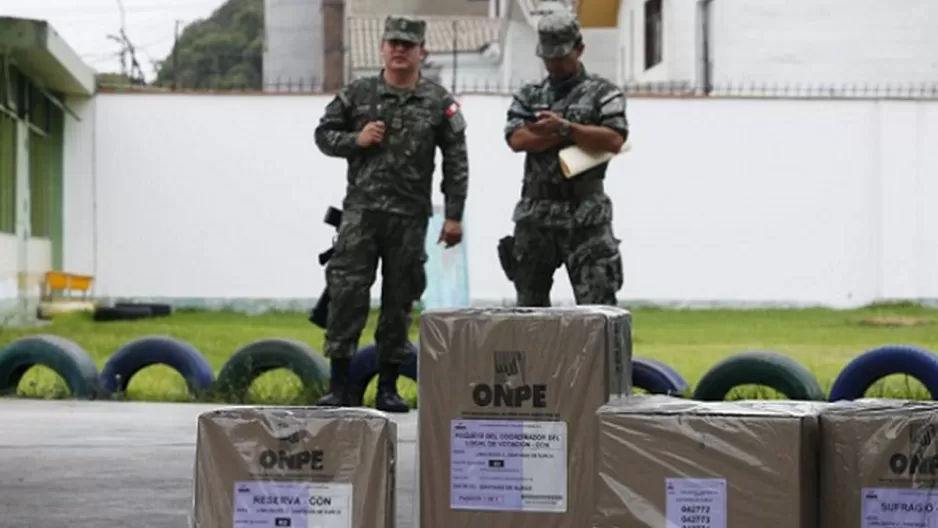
<point x="261" y="356"/>
<point x="770" y="369"/>
<point x="65" y="357"/>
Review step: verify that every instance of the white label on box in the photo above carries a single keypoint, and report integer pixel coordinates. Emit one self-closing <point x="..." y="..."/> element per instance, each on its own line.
<point x="508" y="465"/>
<point x="696" y="503"/>
<point x="260" y="504"/>
<point x="900" y="508"/>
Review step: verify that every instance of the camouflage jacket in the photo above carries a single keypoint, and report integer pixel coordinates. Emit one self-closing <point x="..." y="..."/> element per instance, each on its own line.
<point x="397" y="176"/>
<point x="585" y="99"/>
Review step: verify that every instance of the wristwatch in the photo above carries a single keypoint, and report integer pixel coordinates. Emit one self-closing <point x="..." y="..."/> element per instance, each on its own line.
<point x="564" y="130"/>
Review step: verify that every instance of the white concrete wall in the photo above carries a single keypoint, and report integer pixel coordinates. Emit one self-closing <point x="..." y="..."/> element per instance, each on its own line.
<point x="721" y="200"/>
<point x="78" y="216"/>
<point x="830" y="42"/>
<point x="827" y="41"/>
<point x="9" y="270"/>
<point x="38" y="261"/>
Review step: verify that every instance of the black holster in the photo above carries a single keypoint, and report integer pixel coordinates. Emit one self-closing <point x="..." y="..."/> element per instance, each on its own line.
<point x="319" y="315"/>
<point x="506" y="256"/>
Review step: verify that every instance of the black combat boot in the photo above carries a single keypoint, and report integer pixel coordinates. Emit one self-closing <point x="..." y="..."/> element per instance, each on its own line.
<point x="388" y="400"/>
<point x="338" y="395"/>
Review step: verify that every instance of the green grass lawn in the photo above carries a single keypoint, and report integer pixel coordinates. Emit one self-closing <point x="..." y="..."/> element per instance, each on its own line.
<point x="690" y="341"/>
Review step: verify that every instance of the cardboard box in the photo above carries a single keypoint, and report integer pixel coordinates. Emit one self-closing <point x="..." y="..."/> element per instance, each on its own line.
<point x="672" y="463"/>
<point x="262" y="467"/>
<point x="506" y="413"/>
<point x="879" y="464"/>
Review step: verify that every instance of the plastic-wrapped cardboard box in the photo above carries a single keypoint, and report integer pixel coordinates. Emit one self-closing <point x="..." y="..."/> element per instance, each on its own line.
<point x="294" y="467"/>
<point x="672" y="463"/>
<point x="506" y="413"/>
<point x="879" y="464"/>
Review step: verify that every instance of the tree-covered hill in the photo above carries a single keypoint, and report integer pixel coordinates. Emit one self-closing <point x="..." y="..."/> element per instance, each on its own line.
<point x="223" y="51"/>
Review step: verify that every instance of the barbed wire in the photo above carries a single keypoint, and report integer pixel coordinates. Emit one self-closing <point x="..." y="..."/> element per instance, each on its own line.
<point x="467" y="86"/>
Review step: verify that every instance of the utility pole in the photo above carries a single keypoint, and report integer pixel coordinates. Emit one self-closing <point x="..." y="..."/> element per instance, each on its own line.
<point x="176" y="57"/>
<point x="123" y="53"/>
<point x="455" y="53"/>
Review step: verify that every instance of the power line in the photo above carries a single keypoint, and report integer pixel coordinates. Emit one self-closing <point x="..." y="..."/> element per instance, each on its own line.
<point x="123" y="14"/>
<point x="92" y="11"/>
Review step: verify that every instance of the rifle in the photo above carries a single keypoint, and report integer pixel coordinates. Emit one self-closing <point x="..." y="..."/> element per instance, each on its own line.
<point x="319" y="315"/>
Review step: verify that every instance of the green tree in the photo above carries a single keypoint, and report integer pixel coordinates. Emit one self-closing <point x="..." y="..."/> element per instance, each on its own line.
<point x="224" y="51"/>
<point x="111" y="79"/>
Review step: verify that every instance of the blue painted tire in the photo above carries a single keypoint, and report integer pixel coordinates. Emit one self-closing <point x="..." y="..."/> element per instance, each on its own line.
<point x="658" y="378"/>
<point x="65" y="357"/>
<point x="138" y="354"/>
<point x="871" y="366"/>
<point x="364" y="367"/>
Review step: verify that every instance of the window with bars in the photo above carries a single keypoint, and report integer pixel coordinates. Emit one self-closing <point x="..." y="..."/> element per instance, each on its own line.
<point x="43" y="145"/>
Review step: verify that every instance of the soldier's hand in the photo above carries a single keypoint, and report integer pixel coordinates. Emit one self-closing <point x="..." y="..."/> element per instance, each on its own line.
<point x="372" y="134"/>
<point x="547" y="123"/>
<point x="451" y="234"/>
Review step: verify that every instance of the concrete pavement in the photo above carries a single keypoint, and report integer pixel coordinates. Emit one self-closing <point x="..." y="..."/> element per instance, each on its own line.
<point x="66" y="464"/>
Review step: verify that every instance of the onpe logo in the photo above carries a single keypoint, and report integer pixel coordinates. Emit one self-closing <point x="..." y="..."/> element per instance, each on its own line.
<point x="284" y="459"/>
<point x="509" y="364"/>
<point x="510" y="388"/>
<point x="916" y="461"/>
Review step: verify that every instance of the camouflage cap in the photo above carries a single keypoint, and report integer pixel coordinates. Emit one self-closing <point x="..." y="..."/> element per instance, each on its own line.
<point x="405" y="29"/>
<point x="557" y="34"/>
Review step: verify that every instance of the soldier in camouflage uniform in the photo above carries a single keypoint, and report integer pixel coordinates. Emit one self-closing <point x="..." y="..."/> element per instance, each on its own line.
<point x="559" y="221"/>
<point x="388" y="128"/>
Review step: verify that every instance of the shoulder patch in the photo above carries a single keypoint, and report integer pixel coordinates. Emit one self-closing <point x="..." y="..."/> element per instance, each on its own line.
<point x="344" y="98"/>
<point x="613" y="103"/>
<point x="614" y="94"/>
<point x="457" y="122"/>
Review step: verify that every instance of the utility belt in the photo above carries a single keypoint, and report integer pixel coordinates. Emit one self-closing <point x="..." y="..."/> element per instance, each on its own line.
<point x="567" y="191"/>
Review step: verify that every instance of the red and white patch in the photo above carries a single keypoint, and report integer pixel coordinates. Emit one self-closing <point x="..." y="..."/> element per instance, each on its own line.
<point x="453" y="108"/>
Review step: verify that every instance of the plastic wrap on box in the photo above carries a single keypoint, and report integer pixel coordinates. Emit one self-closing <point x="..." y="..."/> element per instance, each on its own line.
<point x="879" y="464"/>
<point x="669" y="462"/>
<point x="294" y="466"/>
<point x="506" y="417"/>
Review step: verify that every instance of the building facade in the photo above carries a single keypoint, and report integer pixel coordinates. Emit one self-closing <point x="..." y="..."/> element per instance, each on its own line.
<point x="38" y="74"/>
<point x="832" y="43"/>
<point x="478" y="45"/>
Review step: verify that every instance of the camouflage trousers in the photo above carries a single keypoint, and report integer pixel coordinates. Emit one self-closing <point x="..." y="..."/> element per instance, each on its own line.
<point x="590" y="254"/>
<point x="364" y="238"/>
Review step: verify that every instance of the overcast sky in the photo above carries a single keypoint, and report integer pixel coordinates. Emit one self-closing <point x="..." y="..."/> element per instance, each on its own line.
<point x="149" y="25"/>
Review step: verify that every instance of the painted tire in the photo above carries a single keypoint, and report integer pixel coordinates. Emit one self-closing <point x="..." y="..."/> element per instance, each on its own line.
<point x="157" y="350"/>
<point x="657" y="378"/>
<point x="770" y="369"/>
<point x="250" y="361"/>
<point x="871" y="366"/>
<point x="108" y="314"/>
<point x="64" y="357"/>
<point x="364" y="367"/>
<point x="156" y="309"/>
